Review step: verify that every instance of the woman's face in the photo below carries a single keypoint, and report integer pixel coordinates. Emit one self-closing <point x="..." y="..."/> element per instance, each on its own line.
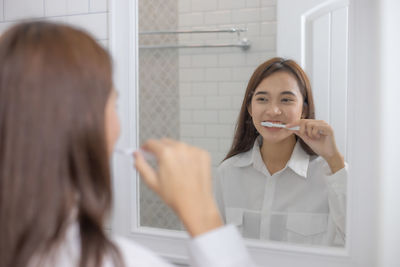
<point x="276" y="99"/>
<point x="112" y="121"/>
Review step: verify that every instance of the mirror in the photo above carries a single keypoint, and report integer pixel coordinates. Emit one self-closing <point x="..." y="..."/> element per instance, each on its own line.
<point x="195" y="60"/>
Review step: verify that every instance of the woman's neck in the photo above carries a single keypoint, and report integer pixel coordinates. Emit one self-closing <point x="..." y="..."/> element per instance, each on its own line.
<point x="276" y="155"/>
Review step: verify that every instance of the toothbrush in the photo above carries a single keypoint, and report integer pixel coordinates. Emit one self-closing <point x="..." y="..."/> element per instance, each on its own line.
<point x="128" y="151"/>
<point x="278" y="125"/>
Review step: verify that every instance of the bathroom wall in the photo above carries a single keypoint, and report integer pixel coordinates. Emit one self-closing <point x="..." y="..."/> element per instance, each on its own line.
<point x="92" y="15"/>
<point x="212" y="81"/>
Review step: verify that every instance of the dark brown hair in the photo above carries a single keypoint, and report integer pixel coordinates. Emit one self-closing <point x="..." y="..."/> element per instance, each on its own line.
<point x="54" y="84"/>
<point x="245" y="132"/>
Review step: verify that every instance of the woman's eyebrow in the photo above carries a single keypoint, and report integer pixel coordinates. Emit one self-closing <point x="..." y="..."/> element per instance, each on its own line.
<point x="261" y="93"/>
<point x="288" y="93"/>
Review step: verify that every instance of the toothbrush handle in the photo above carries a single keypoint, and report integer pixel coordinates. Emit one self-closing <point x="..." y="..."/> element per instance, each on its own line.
<point x="295" y="128"/>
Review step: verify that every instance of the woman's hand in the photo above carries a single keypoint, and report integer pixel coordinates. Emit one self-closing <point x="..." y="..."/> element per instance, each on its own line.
<point x="183" y="181"/>
<point x="319" y="136"/>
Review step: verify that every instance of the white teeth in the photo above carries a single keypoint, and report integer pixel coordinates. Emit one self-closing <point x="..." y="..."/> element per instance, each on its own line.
<point x="277" y="125"/>
<point x="272" y="124"/>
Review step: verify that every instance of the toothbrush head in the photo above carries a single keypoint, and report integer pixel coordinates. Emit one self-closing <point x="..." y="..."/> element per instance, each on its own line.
<point x="271" y="124"/>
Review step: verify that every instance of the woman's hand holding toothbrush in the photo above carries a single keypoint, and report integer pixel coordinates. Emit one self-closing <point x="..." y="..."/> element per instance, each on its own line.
<point x="319" y="136"/>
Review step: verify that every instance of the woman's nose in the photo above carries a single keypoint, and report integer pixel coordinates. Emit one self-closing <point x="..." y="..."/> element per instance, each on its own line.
<point x="274" y="110"/>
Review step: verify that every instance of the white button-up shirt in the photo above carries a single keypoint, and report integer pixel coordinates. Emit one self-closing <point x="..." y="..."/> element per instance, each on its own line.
<point x="302" y="203"/>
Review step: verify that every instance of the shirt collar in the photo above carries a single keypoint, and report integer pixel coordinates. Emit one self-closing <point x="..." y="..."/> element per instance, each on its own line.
<point x="298" y="161"/>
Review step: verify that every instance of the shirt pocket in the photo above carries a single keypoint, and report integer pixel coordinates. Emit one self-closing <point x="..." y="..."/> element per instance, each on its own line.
<point x="247" y="221"/>
<point x="306" y="228"/>
<point x="234" y="216"/>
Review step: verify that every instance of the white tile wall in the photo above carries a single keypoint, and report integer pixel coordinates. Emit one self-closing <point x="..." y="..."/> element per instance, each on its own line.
<point x="253" y="3"/>
<point x="231" y="88"/>
<point x="218" y="76"/>
<point x="191" y="19"/>
<point x="218" y="102"/>
<point x="185" y="117"/>
<point x="268" y="13"/>
<point x="192" y="130"/>
<point x="77" y="7"/>
<point x="211" y="144"/>
<point x="1" y="10"/>
<point x="268" y="2"/>
<point x="205" y="116"/>
<point x="98" y="6"/>
<point x="192" y="103"/>
<point x="204" y="60"/>
<point x="20" y="9"/>
<point x="246" y="15"/>
<point x="268" y="28"/>
<point x="192" y="74"/>
<point x="55" y="7"/>
<point x="204" y="5"/>
<point x="227" y="116"/>
<point x="185" y="89"/>
<point x="218" y="17"/>
<point x="204" y="88"/>
<point x="95" y="23"/>
<point x="219" y="130"/>
<point x="231" y="4"/>
<point x="75" y="12"/>
<point x="184" y="6"/>
<point x="232" y="59"/>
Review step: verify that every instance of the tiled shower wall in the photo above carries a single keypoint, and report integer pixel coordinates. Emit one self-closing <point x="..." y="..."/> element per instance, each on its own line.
<point x="212" y="81"/>
<point x="158" y="97"/>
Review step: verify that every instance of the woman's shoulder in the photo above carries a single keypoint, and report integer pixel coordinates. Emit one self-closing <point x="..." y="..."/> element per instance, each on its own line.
<point x="135" y="254"/>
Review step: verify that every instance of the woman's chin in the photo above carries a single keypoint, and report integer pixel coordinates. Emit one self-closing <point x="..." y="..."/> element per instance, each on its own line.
<point x="276" y="138"/>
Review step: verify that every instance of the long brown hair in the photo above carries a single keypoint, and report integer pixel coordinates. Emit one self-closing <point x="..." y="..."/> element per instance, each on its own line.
<point x="245" y="132"/>
<point x="54" y="84"/>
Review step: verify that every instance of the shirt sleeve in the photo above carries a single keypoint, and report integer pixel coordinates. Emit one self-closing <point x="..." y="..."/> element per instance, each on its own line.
<point x="135" y="255"/>
<point x="337" y="196"/>
<point x="222" y="247"/>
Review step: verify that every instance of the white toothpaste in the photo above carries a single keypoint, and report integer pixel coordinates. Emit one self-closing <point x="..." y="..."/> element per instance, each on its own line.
<point x="278" y="125"/>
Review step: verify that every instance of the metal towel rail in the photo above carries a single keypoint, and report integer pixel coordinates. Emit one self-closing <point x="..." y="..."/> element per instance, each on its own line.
<point x="232" y="30"/>
<point x="242" y="43"/>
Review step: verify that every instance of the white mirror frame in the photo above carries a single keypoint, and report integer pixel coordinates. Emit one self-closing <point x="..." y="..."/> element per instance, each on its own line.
<point x="363" y="240"/>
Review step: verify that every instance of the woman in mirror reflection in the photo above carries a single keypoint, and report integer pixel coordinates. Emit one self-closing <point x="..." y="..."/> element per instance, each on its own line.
<point x="283" y="184"/>
<point x="58" y="127"/>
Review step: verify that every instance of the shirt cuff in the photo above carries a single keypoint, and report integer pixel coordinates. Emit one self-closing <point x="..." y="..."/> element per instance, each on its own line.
<point x="220" y="247"/>
<point x="337" y="181"/>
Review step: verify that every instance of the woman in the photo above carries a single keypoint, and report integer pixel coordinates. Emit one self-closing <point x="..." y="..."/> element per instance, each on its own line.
<point x="278" y="183"/>
<point x="58" y="127"/>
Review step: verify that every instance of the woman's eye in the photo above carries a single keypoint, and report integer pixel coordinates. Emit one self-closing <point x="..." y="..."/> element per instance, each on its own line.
<point x="286" y="100"/>
<point x="262" y="99"/>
